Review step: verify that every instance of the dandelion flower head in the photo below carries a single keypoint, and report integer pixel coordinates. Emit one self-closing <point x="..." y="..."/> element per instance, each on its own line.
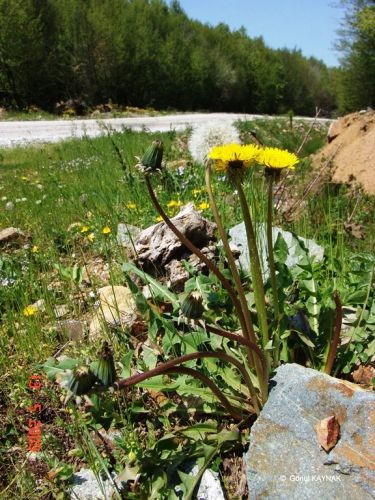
<point x="277" y="159"/>
<point x="30" y="311"/>
<point x="106" y="230"/>
<point x="232" y="157"/>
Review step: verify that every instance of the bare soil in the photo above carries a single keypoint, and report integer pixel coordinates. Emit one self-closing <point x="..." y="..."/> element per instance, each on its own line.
<point x="350" y="150"/>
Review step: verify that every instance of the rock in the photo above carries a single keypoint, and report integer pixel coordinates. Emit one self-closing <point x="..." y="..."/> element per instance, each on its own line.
<point x="11" y="235"/>
<point x="335" y="129"/>
<point x="209" y="487"/>
<point x="126" y="234"/>
<point x="71" y="328"/>
<point x="61" y="310"/>
<point x="39" y="305"/>
<point x="85" y="486"/>
<point x="157" y="245"/>
<point x="116" y="308"/>
<point x="239" y="239"/>
<point x="285" y="461"/>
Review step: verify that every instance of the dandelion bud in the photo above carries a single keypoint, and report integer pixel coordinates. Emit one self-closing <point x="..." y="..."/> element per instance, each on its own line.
<point x="152" y="157"/>
<point x="104" y="368"/>
<point x="81" y="380"/>
<point x="192" y="307"/>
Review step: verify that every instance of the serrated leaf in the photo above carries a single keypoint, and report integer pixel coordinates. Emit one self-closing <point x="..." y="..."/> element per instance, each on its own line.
<point x="160" y="291"/>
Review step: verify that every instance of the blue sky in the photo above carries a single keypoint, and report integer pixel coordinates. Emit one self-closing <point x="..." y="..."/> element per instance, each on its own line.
<point x="309" y="25"/>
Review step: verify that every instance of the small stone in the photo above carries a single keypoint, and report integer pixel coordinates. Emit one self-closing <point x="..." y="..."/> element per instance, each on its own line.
<point x="11" y="235"/>
<point x="71" y="328"/>
<point x="61" y="311"/>
<point x="116" y="309"/>
<point x="39" y="305"/>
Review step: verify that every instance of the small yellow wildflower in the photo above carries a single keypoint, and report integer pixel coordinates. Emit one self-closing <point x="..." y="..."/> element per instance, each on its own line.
<point x="106" y="230"/>
<point x="233" y="157"/>
<point x="30" y="311"/>
<point x="174" y="203"/>
<point x="84" y="229"/>
<point x="24" y="178"/>
<point x="196" y="192"/>
<point x="276" y="158"/>
<point x="204" y="205"/>
<point x="131" y="206"/>
<point x="91" y="236"/>
<point x="35" y="249"/>
<point x="159" y="218"/>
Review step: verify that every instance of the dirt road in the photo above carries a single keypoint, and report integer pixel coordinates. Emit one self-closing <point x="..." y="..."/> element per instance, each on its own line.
<point x="14" y="133"/>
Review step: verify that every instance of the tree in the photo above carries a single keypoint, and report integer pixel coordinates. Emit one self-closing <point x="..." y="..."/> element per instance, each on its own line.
<point x="356" y="82"/>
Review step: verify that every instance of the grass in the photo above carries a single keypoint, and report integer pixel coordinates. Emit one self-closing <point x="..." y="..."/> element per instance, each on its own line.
<point x="62" y="196"/>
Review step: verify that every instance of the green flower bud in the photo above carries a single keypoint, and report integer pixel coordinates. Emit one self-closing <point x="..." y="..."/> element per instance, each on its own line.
<point x="192" y="306"/>
<point x="81" y="380"/>
<point x="104" y="368"/>
<point x="152" y="158"/>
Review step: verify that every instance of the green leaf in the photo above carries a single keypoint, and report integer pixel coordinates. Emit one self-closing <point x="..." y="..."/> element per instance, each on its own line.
<point x="160" y="291"/>
<point x="52" y="367"/>
<point x="280" y="249"/>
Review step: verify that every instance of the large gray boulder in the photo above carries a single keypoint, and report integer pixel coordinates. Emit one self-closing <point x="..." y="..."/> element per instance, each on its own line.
<point x="239" y="239"/>
<point x="285" y="459"/>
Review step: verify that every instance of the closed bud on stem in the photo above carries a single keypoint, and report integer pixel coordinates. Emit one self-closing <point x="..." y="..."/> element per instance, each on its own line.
<point x="81" y="380"/>
<point x="152" y="158"/>
<point x="104" y="368"/>
<point x="192" y="306"/>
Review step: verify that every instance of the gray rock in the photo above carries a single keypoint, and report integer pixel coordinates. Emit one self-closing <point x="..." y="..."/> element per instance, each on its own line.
<point x="285" y="461"/>
<point x="71" y="328"/>
<point x="86" y="486"/>
<point x="126" y="234"/>
<point x="157" y="245"/>
<point x="210" y="487"/>
<point x="239" y="239"/>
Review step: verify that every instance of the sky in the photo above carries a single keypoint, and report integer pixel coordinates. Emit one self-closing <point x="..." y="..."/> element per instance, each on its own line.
<point x="309" y="25"/>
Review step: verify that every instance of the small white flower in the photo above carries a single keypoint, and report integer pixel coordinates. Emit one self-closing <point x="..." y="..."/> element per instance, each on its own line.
<point x="4" y="198"/>
<point x="38" y="202"/>
<point x="208" y="135"/>
<point x="9" y="206"/>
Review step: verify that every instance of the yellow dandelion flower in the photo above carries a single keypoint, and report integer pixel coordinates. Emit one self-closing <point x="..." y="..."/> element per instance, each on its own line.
<point x="84" y="229"/>
<point x="276" y="158"/>
<point x="233" y="157"/>
<point x="174" y="204"/>
<point x="131" y="206"/>
<point x="35" y="249"/>
<point x="91" y="237"/>
<point x="159" y="218"/>
<point x="204" y="205"/>
<point x="106" y="230"/>
<point x="30" y="311"/>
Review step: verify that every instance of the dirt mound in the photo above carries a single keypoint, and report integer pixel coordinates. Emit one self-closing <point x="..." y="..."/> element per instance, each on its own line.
<point x="351" y="150"/>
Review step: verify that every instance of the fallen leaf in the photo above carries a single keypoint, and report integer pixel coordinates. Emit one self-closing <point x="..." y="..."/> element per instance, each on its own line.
<point x="328" y="432"/>
<point x="364" y="375"/>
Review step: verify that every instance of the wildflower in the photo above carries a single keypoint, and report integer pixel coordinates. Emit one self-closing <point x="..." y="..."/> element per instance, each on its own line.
<point x="174" y="203"/>
<point x="131" y="206"/>
<point x="204" y="205"/>
<point x="35" y="249"/>
<point x="159" y="218"/>
<point x="84" y="229"/>
<point x="106" y="230"/>
<point x="208" y="135"/>
<point x="275" y="158"/>
<point x="233" y="157"/>
<point x="196" y="192"/>
<point x="91" y="236"/>
<point x="24" y="178"/>
<point x="30" y="311"/>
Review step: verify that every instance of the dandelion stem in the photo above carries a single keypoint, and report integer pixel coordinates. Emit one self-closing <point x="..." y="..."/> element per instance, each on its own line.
<point x="249" y="328"/>
<point x="256" y="271"/>
<point x="271" y="263"/>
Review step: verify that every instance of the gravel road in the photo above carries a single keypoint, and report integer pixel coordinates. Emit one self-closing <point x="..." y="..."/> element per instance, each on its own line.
<point x="15" y="133"/>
